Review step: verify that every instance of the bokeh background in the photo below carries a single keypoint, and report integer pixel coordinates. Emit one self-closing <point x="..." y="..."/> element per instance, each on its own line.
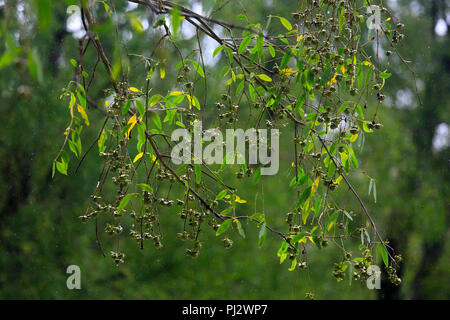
<point x="40" y="233"/>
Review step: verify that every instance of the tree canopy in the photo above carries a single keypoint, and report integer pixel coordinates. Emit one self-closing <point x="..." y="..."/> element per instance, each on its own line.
<point x="319" y="72"/>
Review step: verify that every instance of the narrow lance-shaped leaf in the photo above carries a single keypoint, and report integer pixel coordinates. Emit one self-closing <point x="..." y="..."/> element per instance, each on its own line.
<point x="198" y="173"/>
<point x="123" y="203"/>
<point x="262" y="235"/>
<point x="198" y="68"/>
<point x="245" y="42"/>
<point x="240" y="229"/>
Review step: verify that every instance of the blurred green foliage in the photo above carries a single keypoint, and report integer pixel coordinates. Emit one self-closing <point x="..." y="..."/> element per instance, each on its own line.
<point x="40" y="233"/>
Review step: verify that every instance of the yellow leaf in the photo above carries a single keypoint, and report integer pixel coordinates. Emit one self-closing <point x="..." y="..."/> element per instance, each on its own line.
<point x="305" y="211"/>
<point x="156" y="162"/>
<point x="133" y="89"/>
<point x="331" y="225"/>
<point x="72" y="104"/>
<point x="353" y="137"/>
<point x="239" y="200"/>
<point x="162" y="72"/>
<point x="175" y="93"/>
<point x="287" y="72"/>
<point x="333" y="80"/>
<point x="83" y="114"/>
<point x="315" y="185"/>
<point x="191" y="101"/>
<point x="132" y="121"/>
<point x="343" y="69"/>
<point x="367" y="63"/>
<point x="388" y="19"/>
<point x="264" y="77"/>
<point x="138" y="157"/>
<point x="300" y="37"/>
<point x="101" y="140"/>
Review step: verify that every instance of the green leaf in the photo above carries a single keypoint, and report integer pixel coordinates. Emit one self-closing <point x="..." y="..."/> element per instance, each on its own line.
<point x="180" y="124"/>
<point x="374" y="192"/>
<point x="61" y="167"/>
<point x="123" y="203"/>
<point x="221" y="194"/>
<point x="286" y="23"/>
<point x="303" y="197"/>
<point x="140" y="107"/>
<point x="342" y="108"/>
<point x="224" y="226"/>
<point x="384" y="255"/>
<point x="298" y="106"/>
<point x="244" y="43"/>
<point x="283" y="248"/>
<point x="260" y="46"/>
<point x="198" y="68"/>
<point x="81" y="96"/>
<point x="126" y="107"/>
<point x="217" y="51"/>
<point x="73" y="148"/>
<point x="257" y="176"/>
<point x="331" y="220"/>
<point x="240" y="229"/>
<point x="348" y="215"/>
<point x="65" y="158"/>
<point x="385" y="75"/>
<point x="262" y="235"/>
<point x="145" y="187"/>
<point x="198" y="173"/>
<point x="156" y="119"/>
<point x="359" y="111"/>
<point x="240" y="87"/>
<point x="258" y="216"/>
<point x="293" y="265"/>
<point x="331" y="169"/>
<point x="154" y="100"/>
<point x="230" y="54"/>
<point x="175" y="13"/>
<point x="7" y="58"/>
<point x="298" y="237"/>
<point x="136" y="23"/>
<point x="353" y="159"/>
<point x="272" y="51"/>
